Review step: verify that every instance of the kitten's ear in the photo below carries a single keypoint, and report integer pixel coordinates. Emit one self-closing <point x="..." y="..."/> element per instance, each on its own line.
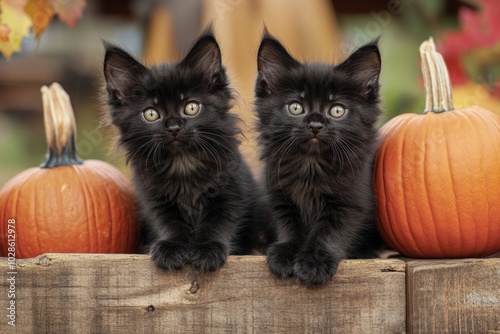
<point x="364" y="66"/>
<point x="272" y="62"/>
<point x="205" y="57"/>
<point x="121" y="71"/>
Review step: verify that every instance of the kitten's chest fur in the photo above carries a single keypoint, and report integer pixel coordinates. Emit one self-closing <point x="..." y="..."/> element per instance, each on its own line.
<point x="184" y="180"/>
<point x="314" y="184"/>
<point x="307" y="184"/>
<point x="183" y="165"/>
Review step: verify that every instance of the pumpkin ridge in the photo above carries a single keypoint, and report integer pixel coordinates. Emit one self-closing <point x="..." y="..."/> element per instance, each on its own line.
<point x="389" y="200"/>
<point x="110" y="216"/>
<point x="383" y="190"/>
<point x="110" y="204"/>
<point x="60" y="199"/>
<point x="492" y="203"/>
<point x="416" y="245"/>
<point x="31" y="176"/>
<point x="478" y="138"/>
<point x="34" y="213"/>
<point x="387" y="136"/>
<point x="490" y="120"/>
<point x="122" y="189"/>
<point x="98" y="228"/>
<point x="452" y="182"/>
<point x="426" y="181"/>
<point x="84" y="189"/>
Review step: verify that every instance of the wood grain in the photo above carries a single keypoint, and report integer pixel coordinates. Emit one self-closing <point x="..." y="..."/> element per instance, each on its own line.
<point x="454" y="296"/>
<point x="58" y="293"/>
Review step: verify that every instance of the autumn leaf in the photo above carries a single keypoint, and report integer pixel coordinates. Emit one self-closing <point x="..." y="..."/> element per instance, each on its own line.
<point x="41" y="13"/>
<point x="478" y="30"/>
<point x="18" y="24"/>
<point x="69" y="11"/>
<point x="18" y="16"/>
<point x="4" y="32"/>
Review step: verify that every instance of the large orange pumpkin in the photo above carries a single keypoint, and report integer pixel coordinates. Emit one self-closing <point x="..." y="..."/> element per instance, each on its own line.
<point x="437" y="175"/>
<point x="66" y="205"/>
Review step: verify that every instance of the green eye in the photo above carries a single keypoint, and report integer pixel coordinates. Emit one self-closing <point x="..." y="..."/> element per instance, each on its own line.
<point x="192" y="108"/>
<point x="151" y="115"/>
<point x="295" y="108"/>
<point x="337" y="111"/>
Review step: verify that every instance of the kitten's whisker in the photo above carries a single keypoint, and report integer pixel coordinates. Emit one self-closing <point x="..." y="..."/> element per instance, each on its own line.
<point x="213" y="152"/>
<point x="208" y="143"/>
<point x="357" y="140"/>
<point x="141" y="149"/>
<point x="149" y="153"/>
<point x="285" y="145"/>
<point x="157" y="157"/>
<point x="269" y="162"/>
<point x="224" y="148"/>
<point x="356" y="160"/>
<point x="285" y="151"/>
<point x="210" y="133"/>
<point x="338" y="151"/>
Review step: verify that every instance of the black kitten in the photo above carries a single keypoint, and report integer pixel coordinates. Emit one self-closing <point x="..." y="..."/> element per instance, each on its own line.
<point x="199" y="202"/>
<point x="317" y="136"/>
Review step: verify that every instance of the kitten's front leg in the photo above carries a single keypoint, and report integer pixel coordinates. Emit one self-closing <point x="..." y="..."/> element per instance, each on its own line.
<point x="171" y="250"/>
<point x="325" y="247"/>
<point x="213" y="235"/>
<point x="281" y="255"/>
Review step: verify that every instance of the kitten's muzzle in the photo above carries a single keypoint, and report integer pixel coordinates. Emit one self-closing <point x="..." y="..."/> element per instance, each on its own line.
<point x="174" y="129"/>
<point x="315" y="127"/>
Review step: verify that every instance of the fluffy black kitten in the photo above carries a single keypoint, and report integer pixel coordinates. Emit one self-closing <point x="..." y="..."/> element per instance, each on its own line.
<point x="317" y="136"/>
<point x="199" y="202"/>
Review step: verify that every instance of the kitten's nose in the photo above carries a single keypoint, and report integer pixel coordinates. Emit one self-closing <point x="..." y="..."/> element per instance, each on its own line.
<point x="316" y="127"/>
<point x="174" y="129"/>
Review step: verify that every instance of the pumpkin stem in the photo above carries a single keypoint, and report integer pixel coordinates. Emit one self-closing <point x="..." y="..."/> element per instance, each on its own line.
<point x="437" y="84"/>
<point x="60" y="127"/>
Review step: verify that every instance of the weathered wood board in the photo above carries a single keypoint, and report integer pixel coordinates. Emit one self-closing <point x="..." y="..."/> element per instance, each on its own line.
<point x="58" y="293"/>
<point x="454" y="296"/>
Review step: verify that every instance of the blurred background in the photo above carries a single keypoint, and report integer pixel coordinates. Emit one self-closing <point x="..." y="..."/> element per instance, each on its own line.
<point x="67" y="48"/>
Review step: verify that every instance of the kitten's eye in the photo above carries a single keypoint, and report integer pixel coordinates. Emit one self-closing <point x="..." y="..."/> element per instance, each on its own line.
<point x="337" y="111"/>
<point x="295" y="108"/>
<point x="151" y="115"/>
<point x="192" y="108"/>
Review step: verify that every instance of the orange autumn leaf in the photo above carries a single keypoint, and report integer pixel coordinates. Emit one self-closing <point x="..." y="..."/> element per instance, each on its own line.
<point x="17" y="17"/>
<point x="69" y="11"/>
<point x="41" y="13"/>
<point x="4" y="32"/>
<point x="15" y="23"/>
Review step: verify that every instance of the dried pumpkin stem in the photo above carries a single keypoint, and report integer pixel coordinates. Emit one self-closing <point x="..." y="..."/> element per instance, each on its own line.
<point x="60" y="127"/>
<point x="438" y="97"/>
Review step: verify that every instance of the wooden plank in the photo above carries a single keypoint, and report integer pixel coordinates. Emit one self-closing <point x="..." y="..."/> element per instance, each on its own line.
<point x="454" y="296"/>
<point x="59" y="293"/>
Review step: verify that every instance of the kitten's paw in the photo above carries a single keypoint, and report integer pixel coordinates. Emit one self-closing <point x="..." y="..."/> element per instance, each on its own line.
<point x="169" y="255"/>
<point x="280" y="259"/>
<point x="208" y="256"/>
<point x="315" y="267"/>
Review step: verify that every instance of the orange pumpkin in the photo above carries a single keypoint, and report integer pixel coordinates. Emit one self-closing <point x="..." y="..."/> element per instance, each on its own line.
<point x="437" y="175"/>
<point x="67" y="206"/>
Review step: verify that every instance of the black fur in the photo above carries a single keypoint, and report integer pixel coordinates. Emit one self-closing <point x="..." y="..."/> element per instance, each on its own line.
<point x="199" y="202"/>
<point x="320" y="189"/>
